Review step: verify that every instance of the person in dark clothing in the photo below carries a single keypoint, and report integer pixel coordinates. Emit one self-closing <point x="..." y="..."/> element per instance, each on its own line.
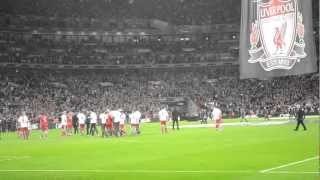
<point x="0" y="128"/>
<point x="203" y="116"/>
<point x="175" y="118"/>
<point x="75" y="123"/>
<point x="291" y="113"/>
<point x="243" y="115"/>
<point x="300" y="116"/>
<point x="88" y="125"/>
<point x="266" y="114"/>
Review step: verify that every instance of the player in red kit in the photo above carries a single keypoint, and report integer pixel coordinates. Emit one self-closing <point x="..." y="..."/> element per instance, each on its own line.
<point x="43" y="123"/>
<point x="69" y="123"/>
<point x="109" y="126"/>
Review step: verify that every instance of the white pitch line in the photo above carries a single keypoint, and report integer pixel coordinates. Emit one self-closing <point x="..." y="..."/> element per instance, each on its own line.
<point x="293" y="172"/>
<point x="9" y="158"/>
<point x="126" y="171"/>
<point x="14" y="156"/>
<point x="152" y="171"/>
<point x="289" y="164"/>
<point x="269" y="123"/>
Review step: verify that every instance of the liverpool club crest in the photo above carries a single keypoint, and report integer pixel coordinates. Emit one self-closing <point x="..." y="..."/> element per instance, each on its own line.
<point x="277" y="35"/>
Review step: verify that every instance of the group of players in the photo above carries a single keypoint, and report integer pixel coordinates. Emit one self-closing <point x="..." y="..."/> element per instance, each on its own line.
<point x="112" y="122"/>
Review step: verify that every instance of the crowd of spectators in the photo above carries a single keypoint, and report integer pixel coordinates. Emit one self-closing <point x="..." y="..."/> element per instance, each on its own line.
<point x="109" y="14"/>
<point x="62" y="17"/>
<point x="56" y="49"/>
<point x="115" y="14"/>
<point x="52" y="92"/>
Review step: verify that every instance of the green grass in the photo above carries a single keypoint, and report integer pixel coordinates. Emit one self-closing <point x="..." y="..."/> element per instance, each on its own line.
<point x="237" y="153"/>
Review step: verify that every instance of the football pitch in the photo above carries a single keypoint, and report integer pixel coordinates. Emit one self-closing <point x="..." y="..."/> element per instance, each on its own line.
<point x="236" y="153"/>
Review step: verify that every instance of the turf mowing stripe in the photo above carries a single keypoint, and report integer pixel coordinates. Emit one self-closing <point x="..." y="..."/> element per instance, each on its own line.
<point x="289" y="164"/>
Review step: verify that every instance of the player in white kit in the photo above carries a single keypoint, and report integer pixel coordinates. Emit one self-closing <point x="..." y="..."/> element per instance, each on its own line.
<point x="123" y="118"/>
<point x="82" y="120"/>
<point x="24" y="123"/>
<point x="103" y="118"/>
<point x="163" y="117"/>
<point x="135" y="121"/>
<point x="64" y="123"/>
<point x="217" y="117"/>
<point x="93" y="123"/>
<point x="116" y="116"/>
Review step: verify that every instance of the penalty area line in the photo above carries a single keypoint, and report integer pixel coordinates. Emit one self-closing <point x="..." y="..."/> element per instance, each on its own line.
<point x="289" y="164"/>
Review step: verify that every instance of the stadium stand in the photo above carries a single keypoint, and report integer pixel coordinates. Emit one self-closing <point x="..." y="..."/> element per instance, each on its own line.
<point x="84" y="34"/>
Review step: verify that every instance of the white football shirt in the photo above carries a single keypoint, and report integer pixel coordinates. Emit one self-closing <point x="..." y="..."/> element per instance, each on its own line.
<point x="216" y="113"/>
<point x="103" y="117"/>
<point x="122" y="118"/>
<point x="93" y="117"/>
<point x="23" y="120"/>
<point x="63" y="119"/>
<point x="163" y="115"/>
<point x="82" y="118"/>
<point x="116" y="116"/>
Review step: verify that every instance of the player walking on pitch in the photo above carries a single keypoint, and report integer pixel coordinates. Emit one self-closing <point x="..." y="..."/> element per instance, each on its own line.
<point x="138" y="116"/>
<point x="19" y="128"/>
<point x="69" y="123"/>
<point x="63" y="123"/>
<point x="116" y="116"/>
<point x="103" y="118"/>
<point x="109" y="125"/>
<point x="43" y="124"/>
<point x="93" y="123"/>
<point x="243" y="115"/>
<point x="88" y="123"/>
<point x="24" y="122"/>
<point x="82" y="119"/>
<point x="163" y="117"/>
<point x="217" y="117"/>
<point x="123" y="118"/>
<point x="134" y="121"/>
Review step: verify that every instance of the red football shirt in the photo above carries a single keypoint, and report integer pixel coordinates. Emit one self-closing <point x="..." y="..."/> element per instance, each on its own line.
<point x="109" y="121"/>
<point x="43" y="121"/>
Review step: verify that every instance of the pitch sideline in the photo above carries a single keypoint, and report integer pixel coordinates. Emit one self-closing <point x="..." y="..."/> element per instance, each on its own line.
<point x="289" y="164"/>
<point x="10" y="158"/>
<point x="211" y="125"/>
<point x="154" y="171"/>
